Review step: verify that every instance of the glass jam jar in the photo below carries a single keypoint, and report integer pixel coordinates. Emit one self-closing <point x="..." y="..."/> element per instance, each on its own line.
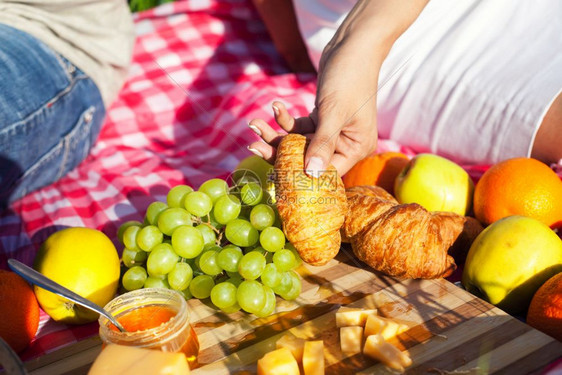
<point x="154" y="318"/>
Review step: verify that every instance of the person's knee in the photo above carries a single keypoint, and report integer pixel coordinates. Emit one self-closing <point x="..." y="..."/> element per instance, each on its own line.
<point x="548" y="142"/>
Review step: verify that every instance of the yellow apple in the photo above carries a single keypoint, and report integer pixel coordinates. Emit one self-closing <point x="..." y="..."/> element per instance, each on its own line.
<point x="510" y="260"/>
<point x="83" y="260"/>
<point x="436" y="183"/>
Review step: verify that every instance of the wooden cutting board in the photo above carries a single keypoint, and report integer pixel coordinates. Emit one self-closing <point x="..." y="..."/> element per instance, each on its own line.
<point x="451" y="331"/>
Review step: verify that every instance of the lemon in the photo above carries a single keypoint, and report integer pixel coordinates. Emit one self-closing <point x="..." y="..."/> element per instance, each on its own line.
<point x="83" y="260"/>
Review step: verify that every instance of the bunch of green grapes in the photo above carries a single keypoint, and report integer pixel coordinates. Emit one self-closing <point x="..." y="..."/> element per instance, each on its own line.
<point x="219" y="242"/>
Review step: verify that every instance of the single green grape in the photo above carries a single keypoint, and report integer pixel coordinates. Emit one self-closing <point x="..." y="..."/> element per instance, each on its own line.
<point x="208" y="263"/>
<point x="130" y="237"/>
<point x="226" y="208"/>
<point x="180" y="276"/>
<point x="187" y="241"/>
<point x="201" y="286"/>
<point x="153" y="211"/>
<point x="251" y="265"/>
<point x="272" y="239"/>
<point x="198" y="203"/>
<point x="271" y="276"/>
<point x="124" y="226"/>
<point x="171" y="218"/>
<point x="223" y="295"/>
<point x="229" y="257"/>
<point x="270" y="303"/>
<point x="296" y="287"/>
<point x="209" y="235"/>
<point x="284" y="285"/>
<point x="161" y="260"/>
<point x="155" y="282"/>
<point x="208" y="247"/>
<point x="241" y="233"/>
<point x="298" y="259"/>
<point x="251" y="193"/>
<point x="251" y="296"/>
<point x="148" y="237"/>
<point x="262" y="216"/>
<point x="284" y="260"/>
<point x="133" y="258"/>
<point x="177" y="194"/>
<point x="214" y="188"/>
<point x="134" y="278"/>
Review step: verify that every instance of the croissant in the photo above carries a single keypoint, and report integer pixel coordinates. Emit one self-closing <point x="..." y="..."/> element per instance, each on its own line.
<point x="404" y="240"/>
<point x="312" y="210"/>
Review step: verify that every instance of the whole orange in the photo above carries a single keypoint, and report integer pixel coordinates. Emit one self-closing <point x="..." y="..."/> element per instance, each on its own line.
<point x="545" y="310"/>
<point x="519" y="186"/>
<point x="377" y="169"/>
<point x="19" y="311"/>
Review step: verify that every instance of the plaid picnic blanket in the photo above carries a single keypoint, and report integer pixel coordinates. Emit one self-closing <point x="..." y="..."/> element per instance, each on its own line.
<point x="202" y="69"/>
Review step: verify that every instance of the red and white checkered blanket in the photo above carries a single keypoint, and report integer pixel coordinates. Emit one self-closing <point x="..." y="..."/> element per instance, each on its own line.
<point x="202" y="69"/>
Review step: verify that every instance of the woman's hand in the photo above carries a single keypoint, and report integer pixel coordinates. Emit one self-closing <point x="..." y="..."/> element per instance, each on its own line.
<point x="342" y="126"/>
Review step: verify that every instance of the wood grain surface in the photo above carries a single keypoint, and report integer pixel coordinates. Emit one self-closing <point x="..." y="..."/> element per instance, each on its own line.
<point x="451" y="331"/>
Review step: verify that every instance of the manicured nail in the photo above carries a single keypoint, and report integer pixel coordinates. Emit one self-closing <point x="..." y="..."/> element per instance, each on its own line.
<point x="276" y="110"/>
<point x="255" y="152"/>
<point x="255" y="129"/>
<point x="315" y="167"/>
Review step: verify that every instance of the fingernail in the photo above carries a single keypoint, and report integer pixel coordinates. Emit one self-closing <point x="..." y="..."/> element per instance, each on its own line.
<point x="255" y="152"/>
<point x="255" y="129"/>
<point x="315" y="167"/>
<point x="276" y="110"/>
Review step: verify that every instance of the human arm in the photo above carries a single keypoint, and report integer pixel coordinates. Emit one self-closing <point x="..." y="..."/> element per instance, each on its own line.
<point x="342" y="126"/>
<point x="281" y="23"/>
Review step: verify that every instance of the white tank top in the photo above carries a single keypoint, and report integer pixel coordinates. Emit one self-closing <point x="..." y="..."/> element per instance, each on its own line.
<point x="470" y="79"/>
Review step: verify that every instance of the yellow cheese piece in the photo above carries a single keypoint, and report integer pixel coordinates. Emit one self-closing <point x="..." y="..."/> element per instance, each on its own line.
<point x="313" y="358"/>
<point x="351" y="339"/>
<point x="278" y="362"/>
<point x="386" y="327"/>
<point x="348" y="316"/>
<point x="293" y="343"/>
<point x="128" y="360"/>
<point x="377" y="348"/>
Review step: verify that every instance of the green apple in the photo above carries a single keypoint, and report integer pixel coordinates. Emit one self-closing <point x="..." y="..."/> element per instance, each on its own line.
<point x="253" y="167"/>
<point x="510" y="260"/>
<point x="435" y="183"/>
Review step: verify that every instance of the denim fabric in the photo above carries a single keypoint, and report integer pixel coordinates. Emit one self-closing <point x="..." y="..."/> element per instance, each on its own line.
<point x="50" y="115"/>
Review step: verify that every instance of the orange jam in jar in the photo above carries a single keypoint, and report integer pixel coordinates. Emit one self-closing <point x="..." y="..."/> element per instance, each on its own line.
<point x="154" y="318"/>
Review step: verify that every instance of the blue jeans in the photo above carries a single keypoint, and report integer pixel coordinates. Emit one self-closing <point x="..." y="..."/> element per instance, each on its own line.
<point x="50" y="115"/>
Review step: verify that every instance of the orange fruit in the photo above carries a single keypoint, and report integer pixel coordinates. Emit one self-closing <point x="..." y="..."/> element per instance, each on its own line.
<point x="519" y="186"/>
<point x="19" y="311"/>
<point x="545" y="310"/>
<point x="377" y="169"/>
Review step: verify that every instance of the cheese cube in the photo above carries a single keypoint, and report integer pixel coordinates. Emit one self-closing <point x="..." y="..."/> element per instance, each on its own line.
<point x="377" y="348"/>
<point x="388" y="328"/>
<point x="128" y="360"/>
<point x="313" y="358"/>
<point x="346" y="316"/>
<point x="351" y="339"/>
<point x="278" y="362"/>
<point x="293" y="343"/>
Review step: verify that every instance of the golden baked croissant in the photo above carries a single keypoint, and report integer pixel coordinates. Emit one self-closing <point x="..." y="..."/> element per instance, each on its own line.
<point x="404" y="239"/>
<point x="312" y="210"/>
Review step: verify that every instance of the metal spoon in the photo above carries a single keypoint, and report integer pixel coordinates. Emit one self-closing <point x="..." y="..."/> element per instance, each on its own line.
<point x="44" y="282"/>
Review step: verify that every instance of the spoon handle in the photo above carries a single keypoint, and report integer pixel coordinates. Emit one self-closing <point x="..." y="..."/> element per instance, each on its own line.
<point x="44" y="282"/>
